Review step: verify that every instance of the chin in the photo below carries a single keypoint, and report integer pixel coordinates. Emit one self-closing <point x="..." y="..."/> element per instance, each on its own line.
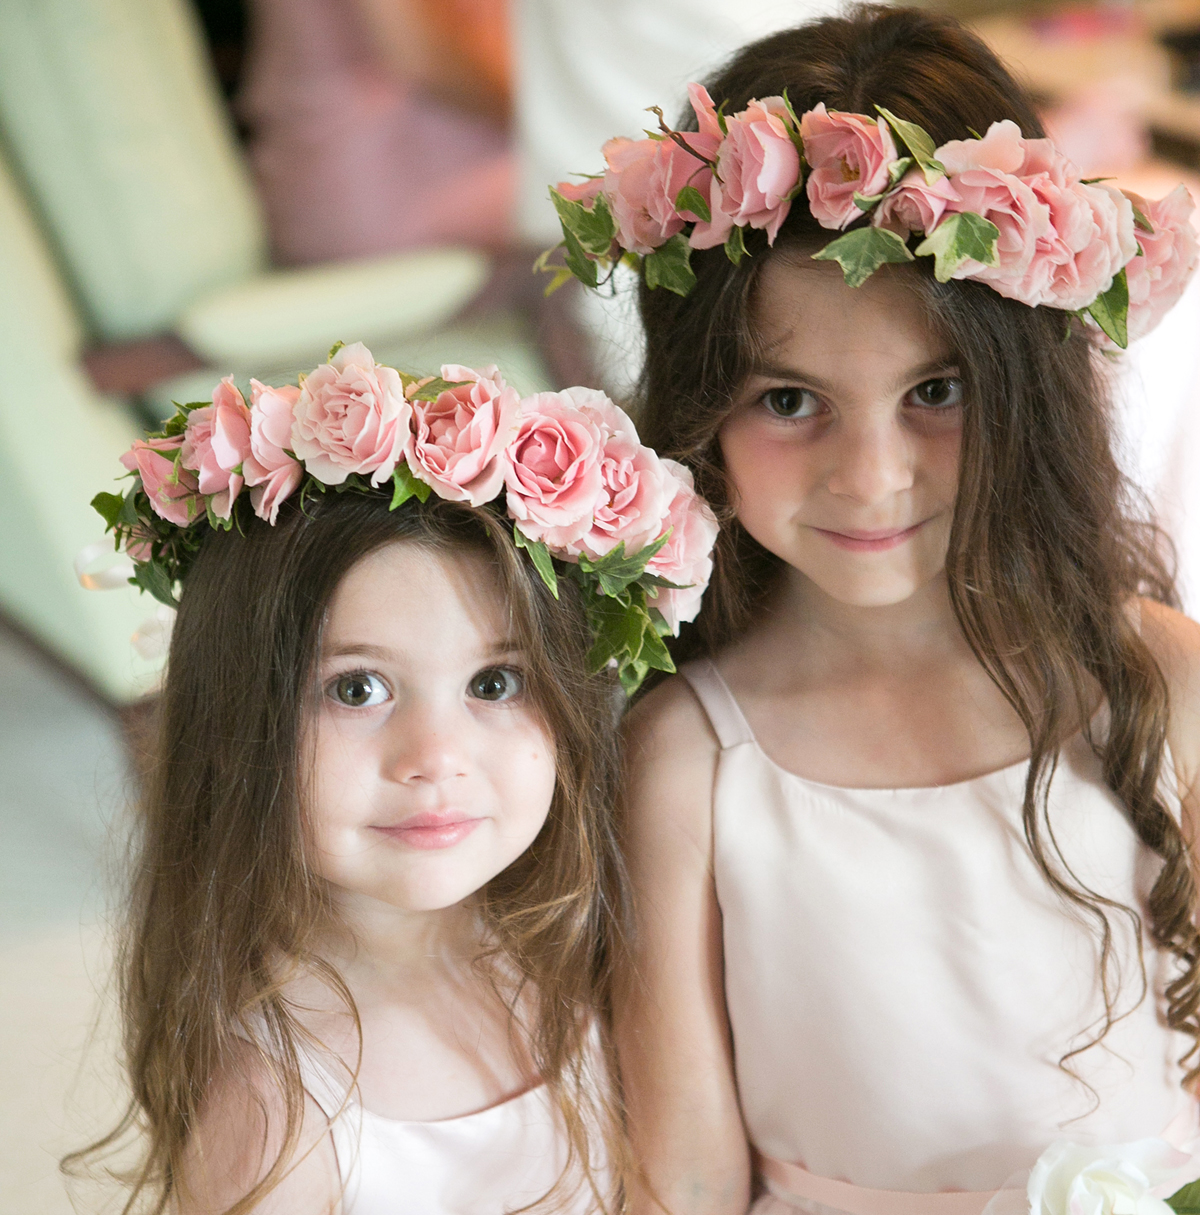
<point x="874" y="588"/>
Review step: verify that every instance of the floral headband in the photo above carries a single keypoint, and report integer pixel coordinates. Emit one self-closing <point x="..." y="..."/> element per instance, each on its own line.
<point x="1005" y="210"/>
<point x="588" y="500"/>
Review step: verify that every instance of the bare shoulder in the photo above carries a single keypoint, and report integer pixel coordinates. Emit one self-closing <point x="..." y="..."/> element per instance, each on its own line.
<point x="239" y="1136"/>
<point x="671" y="755"/>
<point x="1174" y="640"/>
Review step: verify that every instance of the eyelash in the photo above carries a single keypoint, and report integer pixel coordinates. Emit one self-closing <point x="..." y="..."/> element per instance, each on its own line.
<point x="956" y="381"/>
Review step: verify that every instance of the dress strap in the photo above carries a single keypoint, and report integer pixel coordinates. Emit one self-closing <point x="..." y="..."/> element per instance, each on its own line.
<point x="724" y="713"/>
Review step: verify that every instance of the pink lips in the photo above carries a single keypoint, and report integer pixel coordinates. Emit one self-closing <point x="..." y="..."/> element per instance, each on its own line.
<point x="436" y="829"/>
<point x="870" y="542"/>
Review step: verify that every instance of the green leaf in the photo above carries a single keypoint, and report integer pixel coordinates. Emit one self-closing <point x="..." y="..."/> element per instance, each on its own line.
<point x="861" y="252"/>
<point x="435" y="388"/>
<point x="129" y="516"/>
<point x="540" y="555"/>
<point x="214" y="520"/>
<point x="961" y="237"/>
<point x="919" y="142"/>
<point x="1187" y="1200"/>
<point x="1140" y="220"/>
<point x="721" y="120"/>
<point x="898" y="168"/>
<point x="865" y="202"/>
<point x="407" y="486"/>
<point x="562" y="274"/>
<point x="615" y="571"/>
<point x="690" y="199"/>
<point x="670" y="266"/>
<point x="735" y="245"/>
<point x="333" y="350"/>
<point x="1111" y="310"/>
<point x="177" y="423"/>
<point x="578" y="262"/>
<point x="593" y="227"/>
<point x="153" y="578"/>
<point x="631" y="675"/>
<point x="109" y="508"/>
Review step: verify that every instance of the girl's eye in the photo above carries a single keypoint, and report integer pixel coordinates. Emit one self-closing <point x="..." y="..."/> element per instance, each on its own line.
<point x="938" y="394"/>
<point x="791" y="402"/>
<point x="359" y="690"/>
<point x="496" y="683"/>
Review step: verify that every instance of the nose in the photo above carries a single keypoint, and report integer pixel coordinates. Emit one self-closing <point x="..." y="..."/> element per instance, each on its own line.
<point x="872" y="460"/>
<point x="427" y="746"/>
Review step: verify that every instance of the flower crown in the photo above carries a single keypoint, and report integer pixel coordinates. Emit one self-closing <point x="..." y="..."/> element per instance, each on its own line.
<point x="1008" y="211"/>
<point x="588" y="500"/>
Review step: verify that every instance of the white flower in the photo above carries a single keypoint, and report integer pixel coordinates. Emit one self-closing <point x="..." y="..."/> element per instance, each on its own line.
<point x="1116" y="1179"/>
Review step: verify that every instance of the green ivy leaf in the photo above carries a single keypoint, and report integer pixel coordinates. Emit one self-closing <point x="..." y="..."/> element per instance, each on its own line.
<point x="153" y="578"/>
<point x="128" y="515"/>
<point x="1187" y="1200"/>
<point x="540" y="555"/>
<point x="593" y="227"/>
<point x="919" y="142"/>
<point x="1111" y="310"/>
<point x="897" y="169"/>
<point x="958" y="238"/>
<point x="670" y="266"/>
<point x="333" y="350"/>
<point x="735" y="245"/>
<point x="690" y="199"/>
<point x="435" y="388"/>
<point x="561" y="275"/>
<point x="615" y="571"/>
<point x="407" y="486"/>
<point x="865" y="202"/>
<point x="108" y="506"/>
<point x="578" y="262"/>
<point x="861" y="252"/>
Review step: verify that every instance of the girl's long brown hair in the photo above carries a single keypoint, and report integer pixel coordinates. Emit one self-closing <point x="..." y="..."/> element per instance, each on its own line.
<point x="223" y="901"/>
<point x="1047" y="552"/>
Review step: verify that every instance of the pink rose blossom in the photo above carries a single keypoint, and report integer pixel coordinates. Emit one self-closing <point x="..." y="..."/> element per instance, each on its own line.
<point x="628" y="186"/>
<point x="1002" y="149"/>
<point x="273" y="474"/>
<point x="1169" y="255"/>
<point x="139" y="545"/>
<point x="215" y="443"/>
<point x="457" y="441"/>
<point x="915" y="205"/>
<point x="847" y="154"/>
<point x="686" y="558"/>
<point x="635" y="489"/>
<point x="581" y="191"/>
<point x="351" y="417"/>
<point x="553" y="477"/>
<point x="172" y="489"/>
<point x="759" y="168"/>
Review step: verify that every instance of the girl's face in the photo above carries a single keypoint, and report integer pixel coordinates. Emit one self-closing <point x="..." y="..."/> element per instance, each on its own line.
<point x="433" y="771"/>
<point x="843" y="445"/>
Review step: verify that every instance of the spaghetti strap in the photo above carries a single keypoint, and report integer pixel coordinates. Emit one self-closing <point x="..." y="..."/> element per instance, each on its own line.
<point x="728" y="721"/>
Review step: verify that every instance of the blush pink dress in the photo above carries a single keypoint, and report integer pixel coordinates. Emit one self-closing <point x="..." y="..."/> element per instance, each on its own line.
<point x="902" y="982"/>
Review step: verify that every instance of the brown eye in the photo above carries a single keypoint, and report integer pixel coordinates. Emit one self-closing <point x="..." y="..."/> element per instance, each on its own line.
<point x="496" y="683"/>
<point x="790" y="402"/>
<point x="938" y="394"/>
<point x="359" y="690"/>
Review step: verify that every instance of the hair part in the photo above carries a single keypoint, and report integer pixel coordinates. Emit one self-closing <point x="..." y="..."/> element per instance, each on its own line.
<point x="223" y="905"/>
<point x="1050" y="544"/>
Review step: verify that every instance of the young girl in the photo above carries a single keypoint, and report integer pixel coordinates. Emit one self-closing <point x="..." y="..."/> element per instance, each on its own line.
<point x="378" y="890"/>
<point x="909" y="838"/>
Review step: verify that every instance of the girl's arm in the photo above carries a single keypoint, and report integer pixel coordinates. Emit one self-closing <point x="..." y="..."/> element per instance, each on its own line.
<point x="672" y="1029"/>
<point x="1175" y="642"/>
<point x="238" y="1138"/>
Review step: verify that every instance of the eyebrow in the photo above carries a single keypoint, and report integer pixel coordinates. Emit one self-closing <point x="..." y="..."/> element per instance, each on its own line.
<point x="382" y="654"/>
<point x="778" y="371"/>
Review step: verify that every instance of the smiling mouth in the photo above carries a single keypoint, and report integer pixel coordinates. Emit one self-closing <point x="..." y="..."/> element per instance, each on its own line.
<point x="871" y="541"/>
<point x="431" y="831"/>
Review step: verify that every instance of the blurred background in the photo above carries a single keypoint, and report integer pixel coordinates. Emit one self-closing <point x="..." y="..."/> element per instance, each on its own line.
<point x="190" y="188"/>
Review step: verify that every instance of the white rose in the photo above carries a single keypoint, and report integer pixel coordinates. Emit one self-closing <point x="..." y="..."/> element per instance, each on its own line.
<point x="1116" y="1179"/>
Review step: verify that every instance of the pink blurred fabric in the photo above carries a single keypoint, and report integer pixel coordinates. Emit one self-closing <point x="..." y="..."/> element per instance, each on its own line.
<point x="350" y="162"/>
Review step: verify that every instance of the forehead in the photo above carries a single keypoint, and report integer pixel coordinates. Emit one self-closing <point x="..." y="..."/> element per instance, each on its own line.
<point x="805" y="316"/>
<point x="409" y="597"/>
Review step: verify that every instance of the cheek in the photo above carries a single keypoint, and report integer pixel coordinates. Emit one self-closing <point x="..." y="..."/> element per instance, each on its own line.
<point x="763" y="463"/>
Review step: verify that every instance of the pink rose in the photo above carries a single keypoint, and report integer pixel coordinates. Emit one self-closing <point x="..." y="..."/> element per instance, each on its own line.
<point x="273" y="473"/>
<point x="915" y="205"/>
<point x="635" y="487"/>
<point x="759" y="168"/>
<point x="139" y="545"/>
<point x="847" y="154"/>
<point x="553" y="478"/>
<point x="627" y="186"/>
<point x="1169" y="255"/>
<point x="457" y="442"/>
<point x="581" y="191"/>
<point x="1002" y="150"/>
<point x="351" y="417"/>
<point x="172" y="489"/>
<point x="686" y="558"/>
<point x="215" y="443"/>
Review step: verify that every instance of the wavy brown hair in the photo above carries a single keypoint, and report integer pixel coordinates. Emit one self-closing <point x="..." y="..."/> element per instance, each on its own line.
<point x="223" y="902"/>
<point x="1049" y="545"/>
